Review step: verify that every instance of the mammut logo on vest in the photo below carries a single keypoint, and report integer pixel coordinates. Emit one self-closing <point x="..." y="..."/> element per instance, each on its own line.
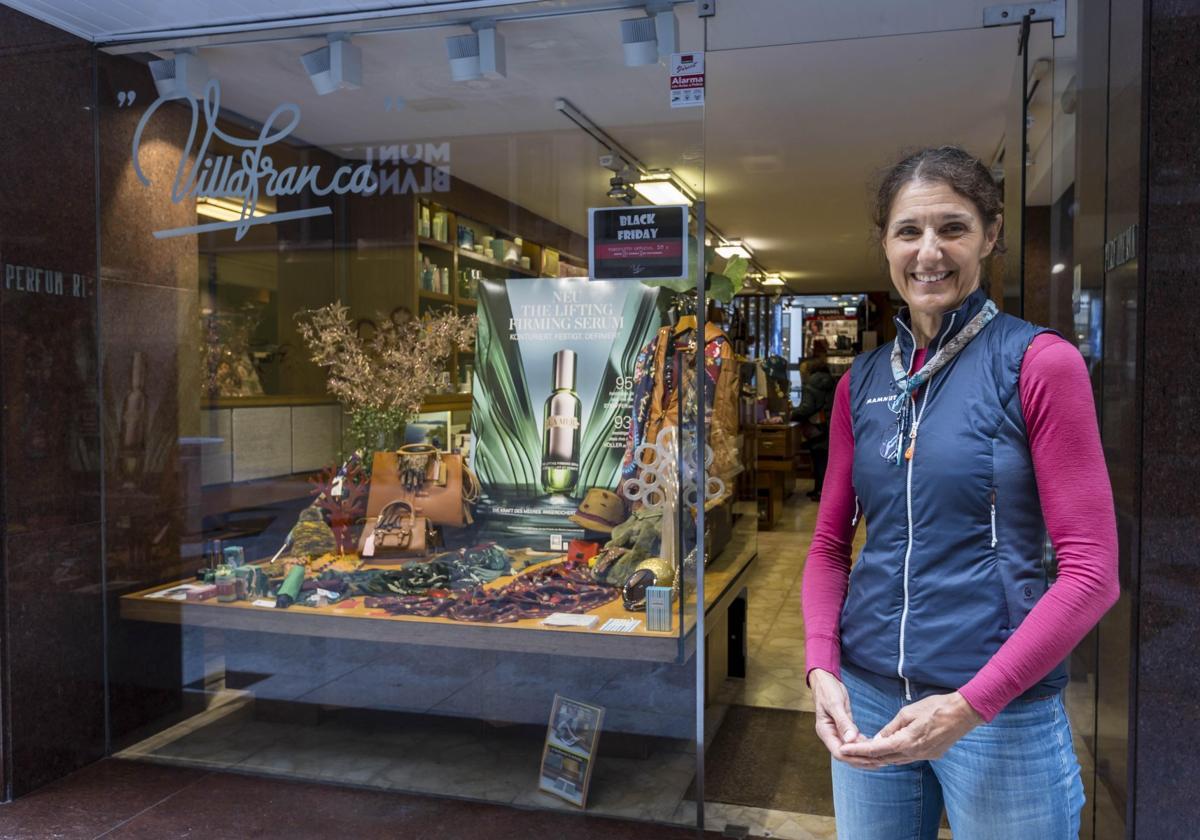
<point x="874" y="400"/>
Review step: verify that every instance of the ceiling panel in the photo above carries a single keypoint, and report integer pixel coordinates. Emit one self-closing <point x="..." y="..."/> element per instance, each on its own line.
<point x="106" y="21"/>
<point x="785" y="150"/>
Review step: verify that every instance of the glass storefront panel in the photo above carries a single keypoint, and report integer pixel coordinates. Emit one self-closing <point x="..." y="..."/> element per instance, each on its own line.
<point x="394" y="479"/>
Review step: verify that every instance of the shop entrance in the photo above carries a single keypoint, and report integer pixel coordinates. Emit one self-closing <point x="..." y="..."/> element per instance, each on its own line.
<point x="795" y="136"/>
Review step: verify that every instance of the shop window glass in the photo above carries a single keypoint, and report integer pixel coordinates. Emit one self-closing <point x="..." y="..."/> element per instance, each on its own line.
<point x="378" y="519"/>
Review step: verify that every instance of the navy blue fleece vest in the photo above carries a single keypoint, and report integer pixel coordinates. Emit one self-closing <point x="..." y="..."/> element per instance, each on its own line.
<point x="953" y="560"/>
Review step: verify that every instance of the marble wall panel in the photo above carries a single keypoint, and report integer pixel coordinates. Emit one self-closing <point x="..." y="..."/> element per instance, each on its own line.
<point x="47" y="277"/>
<point x="130" y="211"/>
<point x="151" y="388"/>
<point x="51" y="680"/>
<point x="1168" y="621"/>
<point x="153" y="469"/>
<point x="55" y="653"/>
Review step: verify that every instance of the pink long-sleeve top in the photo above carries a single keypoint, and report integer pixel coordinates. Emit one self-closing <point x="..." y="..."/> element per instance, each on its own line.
<point x="1077" y="506"/>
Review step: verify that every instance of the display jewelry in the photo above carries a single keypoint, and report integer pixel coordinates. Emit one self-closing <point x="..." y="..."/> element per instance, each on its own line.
<point x="657" y="484"/>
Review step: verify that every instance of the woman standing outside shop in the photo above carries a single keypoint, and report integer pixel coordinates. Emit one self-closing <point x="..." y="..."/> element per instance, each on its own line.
<point x="936" y="662"/>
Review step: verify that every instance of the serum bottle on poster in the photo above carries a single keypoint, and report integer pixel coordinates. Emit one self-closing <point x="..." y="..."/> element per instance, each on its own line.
<point x="561" y="424"/>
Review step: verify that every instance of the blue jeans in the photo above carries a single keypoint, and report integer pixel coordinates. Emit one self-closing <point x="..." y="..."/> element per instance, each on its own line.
<point x="1015" y="778"/>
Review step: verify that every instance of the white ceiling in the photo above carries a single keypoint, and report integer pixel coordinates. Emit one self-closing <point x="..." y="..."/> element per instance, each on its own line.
<point x="113" y="20"/>
<point x="784" y="150"/>
<point x="796" y="134"/>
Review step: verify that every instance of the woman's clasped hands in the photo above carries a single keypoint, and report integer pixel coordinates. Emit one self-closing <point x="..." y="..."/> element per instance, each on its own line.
<point x="921" y="731"/>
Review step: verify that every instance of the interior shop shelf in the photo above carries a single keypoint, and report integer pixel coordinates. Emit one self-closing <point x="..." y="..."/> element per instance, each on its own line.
<point x="426" y="242"/>
<point x="464" y="254"/>
<point x="722" y="579"/>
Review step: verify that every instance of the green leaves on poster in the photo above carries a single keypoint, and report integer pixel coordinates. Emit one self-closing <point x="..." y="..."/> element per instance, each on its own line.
<point x="508" y="452"/>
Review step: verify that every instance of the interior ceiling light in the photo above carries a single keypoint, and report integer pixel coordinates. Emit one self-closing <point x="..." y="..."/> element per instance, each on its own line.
<point x="1059" y="268"/>
<point x="230" y="209"/>
<point x="621" y="190"/>
<point x="183" y="76"/>
<point x="660" y="188"/>
<point x="335" y="66"/>
<point x="773" y="280"/>
<point x="649" y="39"/>
<point x="478" y="55"/>
<point x="732" y="249"/>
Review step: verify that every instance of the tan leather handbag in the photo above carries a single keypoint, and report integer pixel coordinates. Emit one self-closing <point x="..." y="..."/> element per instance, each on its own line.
<point x="436" y="484"/>
<point x="397" y="532"/>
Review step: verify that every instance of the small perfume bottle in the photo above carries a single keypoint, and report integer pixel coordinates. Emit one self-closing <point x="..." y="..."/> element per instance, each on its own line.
<point x="560" y="436"/>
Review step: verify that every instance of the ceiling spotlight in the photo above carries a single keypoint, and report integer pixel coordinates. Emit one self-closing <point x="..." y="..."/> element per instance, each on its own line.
<point x="621" y="190"/>
<point x="335" y="66"/>
<point x="183" y="76"/>
<point x="660" y="188"/>
<point x="478" y="55"/>
<point x="648" y="39"/>
<point x="733" y="248"/>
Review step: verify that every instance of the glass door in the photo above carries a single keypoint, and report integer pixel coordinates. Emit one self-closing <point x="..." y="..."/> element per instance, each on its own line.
<point x="802" y="118"/>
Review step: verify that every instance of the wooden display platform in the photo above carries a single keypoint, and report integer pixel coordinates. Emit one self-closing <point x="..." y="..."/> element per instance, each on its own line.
<point x="721" y="580"/>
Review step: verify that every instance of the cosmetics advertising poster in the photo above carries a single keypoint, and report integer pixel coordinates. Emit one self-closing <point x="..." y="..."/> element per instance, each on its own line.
<point x="552" y="394"/>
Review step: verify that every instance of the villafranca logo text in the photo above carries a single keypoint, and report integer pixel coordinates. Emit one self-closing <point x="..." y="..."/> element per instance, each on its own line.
<point x="252" y="176"/>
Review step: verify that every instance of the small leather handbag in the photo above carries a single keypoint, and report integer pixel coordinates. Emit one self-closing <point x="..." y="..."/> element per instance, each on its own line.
<point x="438" y="485"/>
<point x="397" y="533"/>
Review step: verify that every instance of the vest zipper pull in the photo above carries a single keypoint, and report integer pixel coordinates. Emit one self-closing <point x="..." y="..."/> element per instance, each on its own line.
<point x="993" y="504"/>
<point x="912" y="442"/>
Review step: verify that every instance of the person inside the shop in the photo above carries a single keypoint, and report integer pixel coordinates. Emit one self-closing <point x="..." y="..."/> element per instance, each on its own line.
<point x="936" y="662"/>
<point x="816" y="405"/>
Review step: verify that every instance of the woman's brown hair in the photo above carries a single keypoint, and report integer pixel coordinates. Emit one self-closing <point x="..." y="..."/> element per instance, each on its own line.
<point x="953" y="166"/>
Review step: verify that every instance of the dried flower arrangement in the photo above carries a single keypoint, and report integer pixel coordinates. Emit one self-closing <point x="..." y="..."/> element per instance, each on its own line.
<point x="382" y="382"/>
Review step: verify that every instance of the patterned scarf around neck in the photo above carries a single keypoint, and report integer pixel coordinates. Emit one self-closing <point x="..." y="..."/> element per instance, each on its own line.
<point x="909" y="385"/>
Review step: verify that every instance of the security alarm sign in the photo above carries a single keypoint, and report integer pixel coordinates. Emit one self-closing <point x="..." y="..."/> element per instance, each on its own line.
<point x="687" y="80"/>
<point x="637" y="243"/>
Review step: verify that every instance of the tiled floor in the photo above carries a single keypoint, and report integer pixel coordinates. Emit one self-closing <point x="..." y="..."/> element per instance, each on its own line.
<point x="775" y="672"/>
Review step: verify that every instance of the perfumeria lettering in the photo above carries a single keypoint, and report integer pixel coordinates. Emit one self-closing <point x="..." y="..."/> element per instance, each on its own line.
<point x="252" y="174"/>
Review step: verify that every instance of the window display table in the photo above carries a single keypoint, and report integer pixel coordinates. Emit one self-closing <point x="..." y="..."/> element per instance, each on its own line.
<point x="724" y="583"/>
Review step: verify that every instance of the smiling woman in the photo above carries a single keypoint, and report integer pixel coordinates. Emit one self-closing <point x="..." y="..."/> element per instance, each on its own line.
<point x="941" y="654"/>
<point x="939" y="218"/>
